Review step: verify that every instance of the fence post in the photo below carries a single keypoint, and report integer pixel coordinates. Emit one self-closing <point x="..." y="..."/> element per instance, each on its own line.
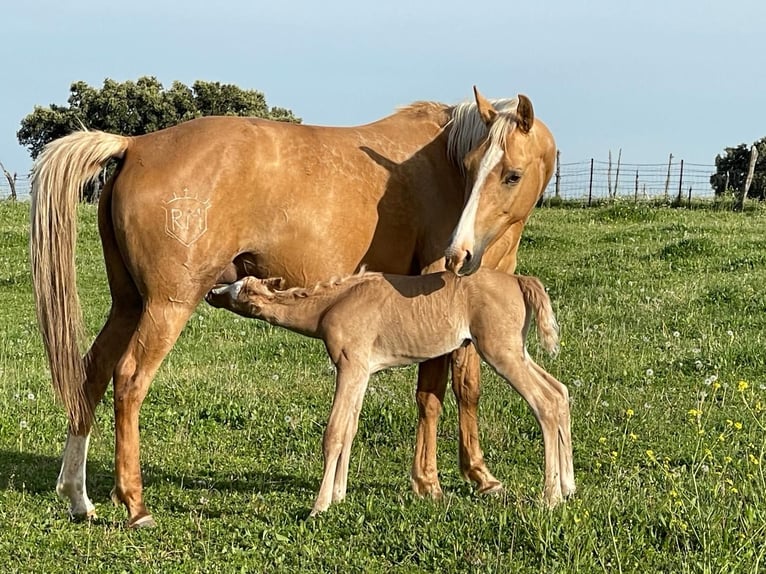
<point x="636" y="186"/>
<point x="740" y="204"/>
<point x="617" y="174"/>
<point x="680" y="182"/>
<point x="11" y="181"/>
<point x="667" y="179"/>
<point x="690" y="197"/>
<point x="590" y="184"/>
<point x="558" y="174"/>
<point x="609" y="177"/>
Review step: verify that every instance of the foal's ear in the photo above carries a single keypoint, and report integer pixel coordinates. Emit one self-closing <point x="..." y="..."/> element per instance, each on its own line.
<point x="273" y="283"/>
<point x="486" y="111"/>
<point x="525" y="115"/>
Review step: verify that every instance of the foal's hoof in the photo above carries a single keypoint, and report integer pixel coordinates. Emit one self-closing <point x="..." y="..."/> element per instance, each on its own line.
<point x="89" y="516"/>
<point x="145" y="521"/>
<point x="493" y="487"/>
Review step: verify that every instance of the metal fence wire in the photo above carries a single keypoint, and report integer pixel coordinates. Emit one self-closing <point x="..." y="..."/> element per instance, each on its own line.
<point x="585" y="181"/>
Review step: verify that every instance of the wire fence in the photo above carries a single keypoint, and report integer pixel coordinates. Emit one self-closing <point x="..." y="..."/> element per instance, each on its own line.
<point x="584" y="181"/>
<point x="595" y="181"/>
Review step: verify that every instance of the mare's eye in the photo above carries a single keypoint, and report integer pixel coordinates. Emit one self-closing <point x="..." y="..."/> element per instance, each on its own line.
<point x="512" y="178"/>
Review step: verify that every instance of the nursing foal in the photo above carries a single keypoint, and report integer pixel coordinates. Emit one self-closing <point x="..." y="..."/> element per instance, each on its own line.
<point x="372" y="321"/>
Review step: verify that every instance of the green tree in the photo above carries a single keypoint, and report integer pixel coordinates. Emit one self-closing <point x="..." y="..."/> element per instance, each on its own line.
<point x="135" y="108"/>
<point x="732" y="166"/>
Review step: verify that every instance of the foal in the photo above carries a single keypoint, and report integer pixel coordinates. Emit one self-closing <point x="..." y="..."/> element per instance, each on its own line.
<point x="372" y="321"/>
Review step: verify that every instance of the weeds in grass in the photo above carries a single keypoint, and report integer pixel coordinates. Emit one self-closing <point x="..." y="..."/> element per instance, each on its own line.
<point x="662" y="349"/>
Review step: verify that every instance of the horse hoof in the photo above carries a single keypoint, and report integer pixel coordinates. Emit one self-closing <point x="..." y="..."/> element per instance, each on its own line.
<point x="423" y="489"/>
<point x="145" y="521"/>
<point x="495" y="487"/>
<point x="89" y="516"/>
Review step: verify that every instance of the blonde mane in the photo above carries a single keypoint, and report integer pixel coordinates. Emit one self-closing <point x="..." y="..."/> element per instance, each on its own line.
<point x="323" y="286"/>
<point x="468" y="129"/>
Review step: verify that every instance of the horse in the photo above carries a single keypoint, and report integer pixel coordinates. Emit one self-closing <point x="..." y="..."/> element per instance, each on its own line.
<point x="373" y="321"/>
<point x="215" y="199"/>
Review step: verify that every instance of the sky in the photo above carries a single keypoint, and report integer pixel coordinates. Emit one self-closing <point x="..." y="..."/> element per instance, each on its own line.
<point x="651" y="77"/>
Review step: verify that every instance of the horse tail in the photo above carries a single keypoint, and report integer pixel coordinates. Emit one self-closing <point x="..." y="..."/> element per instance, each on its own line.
<point x="59" y="175"/>
<point x="536" y="299"/>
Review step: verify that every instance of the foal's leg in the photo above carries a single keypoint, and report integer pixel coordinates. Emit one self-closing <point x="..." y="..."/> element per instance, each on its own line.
<point x="341" y="473"/>
<point x="350" y="384"/>
<point x="157" y="330"/>
<point x="513" y="365"/>
<point x="99" y="365"/>
<point x="432" y="382"/>
<point x="565" y="430"/>
<point x="466" y="384"/>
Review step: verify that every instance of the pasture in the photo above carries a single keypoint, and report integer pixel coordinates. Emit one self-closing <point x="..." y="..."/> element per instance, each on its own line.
<point x="663" y="323"/>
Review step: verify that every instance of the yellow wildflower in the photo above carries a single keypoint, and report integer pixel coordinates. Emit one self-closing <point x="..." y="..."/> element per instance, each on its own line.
<point x="742" y="386"/>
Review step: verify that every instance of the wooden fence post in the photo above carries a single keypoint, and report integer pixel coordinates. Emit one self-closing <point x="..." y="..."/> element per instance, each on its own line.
<point x="636" y="186"/>
<point x="617" y="174"/>
<point x="558" y="174"/>
<point x="740" y="204"/>
<point x="609" y="177"/>
<point x="667" y="179"/>
<point x="680" y="183"/>
<point x="590" y="184"/>
<point x="11" y="181"/>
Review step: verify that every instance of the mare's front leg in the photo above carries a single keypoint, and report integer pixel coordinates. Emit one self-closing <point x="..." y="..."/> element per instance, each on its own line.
<point x="350" y="385"/>
<point x="432" y="382"/>
<point x="466" y="384"/>
<point x="157" y="330"/>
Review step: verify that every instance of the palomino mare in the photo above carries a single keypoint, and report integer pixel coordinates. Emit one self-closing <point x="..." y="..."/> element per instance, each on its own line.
<point x="373" y="321"/>
<point x="215" y="199"/>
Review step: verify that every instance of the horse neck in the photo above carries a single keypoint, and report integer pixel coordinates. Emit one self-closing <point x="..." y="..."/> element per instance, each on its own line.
<point x="301" y="310"/>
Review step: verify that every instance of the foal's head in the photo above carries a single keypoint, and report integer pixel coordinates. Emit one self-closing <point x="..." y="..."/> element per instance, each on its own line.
<point x="245" y="297"/>
<point x="505" y="175"/>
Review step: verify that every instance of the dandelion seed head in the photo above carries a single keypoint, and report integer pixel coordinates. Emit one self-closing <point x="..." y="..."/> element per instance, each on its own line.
<point x="649" y="372"/>
<point x="31" y="396"/>
<point x="676" y="334"/>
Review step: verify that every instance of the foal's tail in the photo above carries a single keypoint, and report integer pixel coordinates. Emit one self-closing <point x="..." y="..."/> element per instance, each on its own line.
<point x="58" y="177"/>
<point x="537" y="299"/>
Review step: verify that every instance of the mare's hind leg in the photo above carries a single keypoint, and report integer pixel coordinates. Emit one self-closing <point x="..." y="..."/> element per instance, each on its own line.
<point x="109" y="346"/>
<point x="466" y="383"/>
<point x="99" y="365"/>
<point x="157" y="330"/>
<point x="432" y="382"/>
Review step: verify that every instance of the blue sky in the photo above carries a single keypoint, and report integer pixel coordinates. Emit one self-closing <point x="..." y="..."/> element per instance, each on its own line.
<point x="652" y="77"/>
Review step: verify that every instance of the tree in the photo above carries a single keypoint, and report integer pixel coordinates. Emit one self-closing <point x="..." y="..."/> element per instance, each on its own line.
<point x="731" y="170"/>
<point x="135" y="108"/>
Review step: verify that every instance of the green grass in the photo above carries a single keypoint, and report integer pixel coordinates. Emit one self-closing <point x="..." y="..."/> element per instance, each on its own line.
<point x="662" y="315"/>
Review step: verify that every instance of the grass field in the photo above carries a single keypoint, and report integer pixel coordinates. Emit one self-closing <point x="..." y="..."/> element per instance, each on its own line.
<point x="663" y="323"/>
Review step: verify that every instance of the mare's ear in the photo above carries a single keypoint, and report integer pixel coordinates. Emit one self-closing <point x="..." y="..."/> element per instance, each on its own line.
<point x="525" y="115"/>
<point x="486" y="111"/>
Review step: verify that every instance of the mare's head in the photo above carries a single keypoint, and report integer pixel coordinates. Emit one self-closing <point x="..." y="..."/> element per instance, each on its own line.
<point x="506" y="173"/>
<point x="245" y="297"/>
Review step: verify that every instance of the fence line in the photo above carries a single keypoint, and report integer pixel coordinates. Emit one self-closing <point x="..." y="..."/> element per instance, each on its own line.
<point x="596" y="180"/>
<point x="591" y="180"/>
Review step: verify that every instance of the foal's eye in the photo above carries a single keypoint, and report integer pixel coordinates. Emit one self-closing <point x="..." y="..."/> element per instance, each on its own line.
<point x="512" y="178"/>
